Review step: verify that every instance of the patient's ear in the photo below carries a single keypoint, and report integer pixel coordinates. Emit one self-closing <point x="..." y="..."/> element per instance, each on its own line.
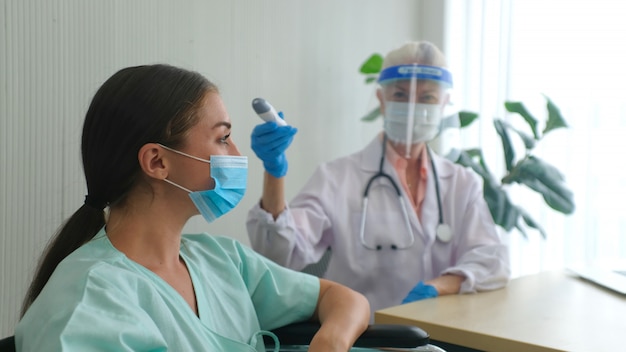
<point x="153" y="161"/>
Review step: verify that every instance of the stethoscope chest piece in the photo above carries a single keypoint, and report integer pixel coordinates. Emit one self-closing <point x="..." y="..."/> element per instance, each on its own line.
<point x="444" y="232"/>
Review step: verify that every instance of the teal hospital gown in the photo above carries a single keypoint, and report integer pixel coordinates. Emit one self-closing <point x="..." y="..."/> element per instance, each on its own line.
<point x="100" y="300"/>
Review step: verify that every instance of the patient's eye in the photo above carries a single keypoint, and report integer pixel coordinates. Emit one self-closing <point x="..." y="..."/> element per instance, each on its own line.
<point x="224" y="140"/>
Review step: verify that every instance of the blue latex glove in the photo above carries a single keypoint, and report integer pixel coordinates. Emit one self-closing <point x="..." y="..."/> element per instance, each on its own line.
<point x="269" y="142"/>
<point x="420" y="291"/>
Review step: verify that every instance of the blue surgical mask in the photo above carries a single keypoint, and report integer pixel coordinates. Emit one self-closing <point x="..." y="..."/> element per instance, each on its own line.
<point x="426" y="122"/>
<point x="230" y="174"/>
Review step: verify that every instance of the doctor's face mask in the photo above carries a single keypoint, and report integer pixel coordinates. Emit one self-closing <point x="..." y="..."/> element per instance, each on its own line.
<point x="413" y="98"/>
<point x="230" y="174"/>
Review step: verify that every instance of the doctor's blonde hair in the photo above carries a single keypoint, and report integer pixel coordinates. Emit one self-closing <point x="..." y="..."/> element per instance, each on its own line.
<point x="421" y="52"/>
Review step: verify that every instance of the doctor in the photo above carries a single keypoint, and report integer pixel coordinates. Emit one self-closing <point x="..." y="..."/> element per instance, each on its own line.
<point x="402" y="223"/>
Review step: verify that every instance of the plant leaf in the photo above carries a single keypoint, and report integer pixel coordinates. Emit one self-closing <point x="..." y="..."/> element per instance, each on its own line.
<point x="372" y="115"/>
<point x="467" y="117"/>
<point x="475" y="152"/>
<point x="370" y="79"/>
<point x="519" y="108"/>
<point x="372" y="65"/>
<point x="509" y="152"/>
<point x="510" y="217"/>
<point x="521" y="230"/>
<point x="555" y="119"/>
<point x="528" y="220"/>
<point x="467" y="158"/>
<point x="547" y="181"/>
<point x="529" y="141"/>
<point x="496" y="202"/>
<point x="504" y="213"/>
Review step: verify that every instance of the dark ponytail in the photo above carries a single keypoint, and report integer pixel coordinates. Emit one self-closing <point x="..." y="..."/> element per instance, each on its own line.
<point x="137" y="105"/>
<point x="78" y="229"/>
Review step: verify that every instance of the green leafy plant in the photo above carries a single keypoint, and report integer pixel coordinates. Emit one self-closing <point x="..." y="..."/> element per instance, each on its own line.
<point x="523" y="168"/>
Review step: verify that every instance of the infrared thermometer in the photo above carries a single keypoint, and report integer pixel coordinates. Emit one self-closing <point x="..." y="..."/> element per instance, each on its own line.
<point x="266" y="111"/>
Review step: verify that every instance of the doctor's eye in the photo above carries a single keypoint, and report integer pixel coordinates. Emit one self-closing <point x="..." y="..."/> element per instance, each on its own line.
<point x="429" y="99"/>
<point x="399" y="96"/>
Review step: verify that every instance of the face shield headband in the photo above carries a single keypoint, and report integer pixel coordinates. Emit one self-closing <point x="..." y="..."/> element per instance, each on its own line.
<point x="409" y="119"/>
<point x="416" y="72"/>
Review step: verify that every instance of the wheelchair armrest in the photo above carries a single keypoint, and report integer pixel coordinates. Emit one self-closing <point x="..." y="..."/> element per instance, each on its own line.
<point x="7" y="344"/>
<point x="376" y="335"/>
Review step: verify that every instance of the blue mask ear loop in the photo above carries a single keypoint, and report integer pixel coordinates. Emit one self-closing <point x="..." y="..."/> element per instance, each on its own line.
<point x="177" y="185"/>
<point x="187" y="155"/>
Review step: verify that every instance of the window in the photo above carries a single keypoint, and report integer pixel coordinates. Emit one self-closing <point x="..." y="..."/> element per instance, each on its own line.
<point x="574" y="53"/>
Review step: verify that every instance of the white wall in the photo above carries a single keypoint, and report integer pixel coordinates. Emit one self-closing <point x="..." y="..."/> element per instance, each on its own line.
<point x="303" y="56"/>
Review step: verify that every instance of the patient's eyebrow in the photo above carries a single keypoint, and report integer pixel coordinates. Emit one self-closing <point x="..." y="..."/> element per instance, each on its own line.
<point x="223" y="123"/>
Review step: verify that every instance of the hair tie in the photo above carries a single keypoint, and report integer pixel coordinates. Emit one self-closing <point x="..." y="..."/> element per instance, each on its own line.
<point x="94" y="202"/>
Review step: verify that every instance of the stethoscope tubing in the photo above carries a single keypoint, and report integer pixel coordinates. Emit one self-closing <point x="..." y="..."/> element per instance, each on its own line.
<point x="403" y="205"/>
<point x="432" y="165"/>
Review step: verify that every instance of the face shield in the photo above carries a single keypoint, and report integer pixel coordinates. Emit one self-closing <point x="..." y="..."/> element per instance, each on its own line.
<point x="448" y="142"/>
<point x="413" y="99"/>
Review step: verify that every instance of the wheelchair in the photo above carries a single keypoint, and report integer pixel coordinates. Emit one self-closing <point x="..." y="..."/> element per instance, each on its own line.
<point x="295" y="338"/>
<point x="377" y="337"/>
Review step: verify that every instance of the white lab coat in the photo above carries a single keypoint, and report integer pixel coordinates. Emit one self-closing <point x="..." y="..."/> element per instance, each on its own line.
<point x="328" y="211"/>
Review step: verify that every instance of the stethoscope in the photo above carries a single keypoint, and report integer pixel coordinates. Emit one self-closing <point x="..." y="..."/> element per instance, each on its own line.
<point x="443" y="231"/>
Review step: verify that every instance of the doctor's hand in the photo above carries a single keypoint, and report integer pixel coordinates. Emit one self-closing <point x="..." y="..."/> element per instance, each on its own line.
<point x="419" y="292"/>
<point x="269" y="141"/>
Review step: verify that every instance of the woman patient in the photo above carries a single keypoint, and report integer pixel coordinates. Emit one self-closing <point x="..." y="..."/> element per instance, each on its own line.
<point x="121" y="276"/>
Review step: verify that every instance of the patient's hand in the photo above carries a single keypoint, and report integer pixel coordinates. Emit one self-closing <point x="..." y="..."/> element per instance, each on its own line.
<point x="344" y="315"/>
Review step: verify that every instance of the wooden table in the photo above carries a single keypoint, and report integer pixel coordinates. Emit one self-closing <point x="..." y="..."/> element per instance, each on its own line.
<point x="549" y="311"/>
